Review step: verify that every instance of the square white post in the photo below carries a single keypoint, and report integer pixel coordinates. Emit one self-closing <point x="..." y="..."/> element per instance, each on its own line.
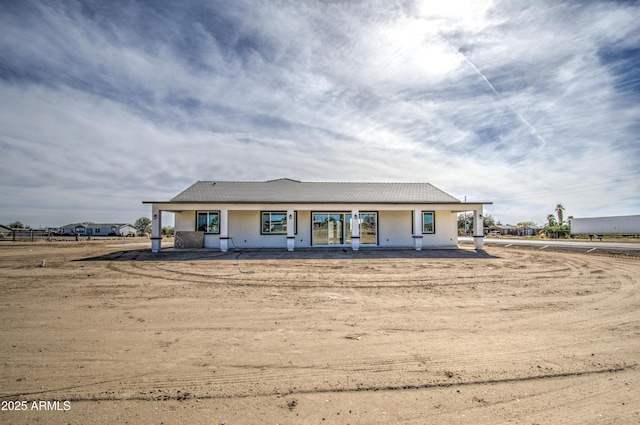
<point x="291" y="230"/>
<point x="156" y="229"/>
<point x="355" y="230"/>
<point x="417" y="229"/>
<point x="224" y="230"/>
<point x="478" y="228"/>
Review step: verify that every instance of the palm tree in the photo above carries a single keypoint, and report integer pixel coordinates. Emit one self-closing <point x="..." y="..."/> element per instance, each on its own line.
<point x="551" y="220"/>
<point x="559" y="211"/>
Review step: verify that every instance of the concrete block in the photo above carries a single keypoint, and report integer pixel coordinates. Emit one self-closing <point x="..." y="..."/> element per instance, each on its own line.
<point x="189" y="240"/>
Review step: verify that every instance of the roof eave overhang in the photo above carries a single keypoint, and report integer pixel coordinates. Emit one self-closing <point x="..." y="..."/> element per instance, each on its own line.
<point x="461" y="204"/>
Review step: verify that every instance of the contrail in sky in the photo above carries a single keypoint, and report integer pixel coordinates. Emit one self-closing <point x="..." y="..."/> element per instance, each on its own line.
<point x="486" y="80"/>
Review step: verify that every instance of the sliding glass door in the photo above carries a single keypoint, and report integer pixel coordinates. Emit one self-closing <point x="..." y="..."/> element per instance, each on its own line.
<point x="368" y="228"/>
<point x="334" y="228"/>
<point x="321" y="229"/>
<point x="331" y="229"/>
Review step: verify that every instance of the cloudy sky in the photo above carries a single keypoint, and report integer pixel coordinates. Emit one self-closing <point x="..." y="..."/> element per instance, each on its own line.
<point x="104" y="104"/>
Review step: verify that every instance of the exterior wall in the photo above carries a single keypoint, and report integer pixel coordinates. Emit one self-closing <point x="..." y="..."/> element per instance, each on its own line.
<point x="185" y="221"/>
<point x="446" y="231"/>
<point x="127" y="230"/>
<point x="104" y="230"/>
<point x="211" y="240"/>
<point x="303" y="237"/>
<point x="245" y="232"/>
<point x="394" y="229"/>
<point x="394" y="223"/>
<point x="244" y="229"/>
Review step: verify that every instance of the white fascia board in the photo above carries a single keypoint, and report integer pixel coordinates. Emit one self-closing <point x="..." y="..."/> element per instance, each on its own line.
<point x="174" y="207"/>
<point x="469" y="206"/>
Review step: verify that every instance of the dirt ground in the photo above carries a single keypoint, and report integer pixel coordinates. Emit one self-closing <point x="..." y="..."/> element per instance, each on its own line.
<point x="111" y="333"/>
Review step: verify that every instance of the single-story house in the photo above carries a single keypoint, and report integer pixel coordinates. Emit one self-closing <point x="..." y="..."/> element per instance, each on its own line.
<point x="287" y="213"/>
<point x="5" y="231"/>
<point x="515" y="230"/>
<point x="98" y="229"/>
<point x="529" y="230"/>
<point x="505" y="229"/>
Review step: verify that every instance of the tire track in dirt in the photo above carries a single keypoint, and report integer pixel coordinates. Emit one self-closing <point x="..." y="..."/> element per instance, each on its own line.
<point x="189" y="274"/>
<point x="202" y="388"/>
<point x="606" y="293"/>
<point x="341" y="326"/>
<point x="525" y="278"/>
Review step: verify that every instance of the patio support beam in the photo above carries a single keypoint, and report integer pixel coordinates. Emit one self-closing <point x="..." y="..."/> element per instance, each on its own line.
<point x="291" y="230"/>
<point x="156" y="228"/>
<point x="417" y="229"/>
<point x="355" y="229"/>
<point x="478" y="227"/>
<point x="224" y="230"/>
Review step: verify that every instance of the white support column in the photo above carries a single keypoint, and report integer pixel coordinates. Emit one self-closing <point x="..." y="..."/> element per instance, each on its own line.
<point x="478" y="228"/>
<point x="355" y="230"/>
<point x="156" y="229"/>
<point x="224" y="230"/>
<point x="291" y="230"/>
<point x="417" y="229"/>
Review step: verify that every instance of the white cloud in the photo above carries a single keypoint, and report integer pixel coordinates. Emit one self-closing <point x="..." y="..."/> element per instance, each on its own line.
<point x="504" y="101"/>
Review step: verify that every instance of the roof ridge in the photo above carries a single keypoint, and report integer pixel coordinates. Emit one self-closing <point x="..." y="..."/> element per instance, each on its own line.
<point x="313" y="181"/>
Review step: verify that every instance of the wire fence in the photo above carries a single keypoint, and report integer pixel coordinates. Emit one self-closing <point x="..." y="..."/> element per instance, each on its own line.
<point x="36" y="235"/>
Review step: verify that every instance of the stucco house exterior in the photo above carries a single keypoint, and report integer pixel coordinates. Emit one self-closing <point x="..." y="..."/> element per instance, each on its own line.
<point x="290" y="214"/>
<point x="98" y="229"/>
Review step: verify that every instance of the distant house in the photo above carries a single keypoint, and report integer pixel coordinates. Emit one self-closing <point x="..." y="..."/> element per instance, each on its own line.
<point x="286" y="213"/>
<point x="529" y="230"/>
<point x="506" y="229"/>
<point x="98" y="229"/>
<point x="5" y="231"/>
<point x="514" y="230"/>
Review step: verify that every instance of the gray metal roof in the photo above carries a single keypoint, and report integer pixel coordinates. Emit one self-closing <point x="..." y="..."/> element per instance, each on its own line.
<point x="287" y="191"/>
<point x="94" y="225"/>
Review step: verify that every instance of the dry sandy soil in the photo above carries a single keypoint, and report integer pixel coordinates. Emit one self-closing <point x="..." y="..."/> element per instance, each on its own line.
<point x="375" y="337"/>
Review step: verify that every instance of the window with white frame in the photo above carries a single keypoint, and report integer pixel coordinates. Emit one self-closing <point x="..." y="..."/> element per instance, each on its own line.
<point x="428" y="222"/>
<point x="208" y="221"/>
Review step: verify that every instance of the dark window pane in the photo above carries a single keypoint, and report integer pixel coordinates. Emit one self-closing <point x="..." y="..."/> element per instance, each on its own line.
<point x="427" y="220"/>
<point x="202" y="222"/>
